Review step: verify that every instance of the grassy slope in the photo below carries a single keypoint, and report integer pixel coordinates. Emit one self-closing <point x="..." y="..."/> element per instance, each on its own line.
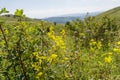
<point x="113" y="13"/>
<point x="12" y="19"/>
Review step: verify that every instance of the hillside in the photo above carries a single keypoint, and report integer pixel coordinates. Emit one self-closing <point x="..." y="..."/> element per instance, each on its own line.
<point x="10" y="18"/>
<point x="113" y="13"/>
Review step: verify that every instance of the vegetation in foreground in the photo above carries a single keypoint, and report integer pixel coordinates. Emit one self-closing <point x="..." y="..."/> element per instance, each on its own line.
<point x="78" y="50"/>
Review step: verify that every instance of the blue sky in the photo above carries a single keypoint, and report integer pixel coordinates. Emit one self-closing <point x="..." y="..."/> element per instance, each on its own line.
<point x="47" y="8"/>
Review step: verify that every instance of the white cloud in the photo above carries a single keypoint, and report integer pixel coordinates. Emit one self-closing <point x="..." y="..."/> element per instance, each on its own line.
<point x="57" y="12"/>
<point x="70" y="6"/>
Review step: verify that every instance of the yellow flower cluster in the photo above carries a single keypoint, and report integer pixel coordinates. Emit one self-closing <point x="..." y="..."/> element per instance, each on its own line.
<point x="40" y="59"/>
<point x="108" y="59"/>
<point x="110" y="53"/>
<point x="118" y="42"/>
<point x="95" y="45"/>
<point x="63" y="32"/>
<point x="35" y="66"/>
<point x="117" y="48"/>
<point x="51" y="33"/>
<point x="57" y="39"/>
<point x="39" y="75"/>
<point x="93" y="42"/>
<point x="99" y="45"/>
<point x="65" y="59"/>
<point x="53" y="56"/>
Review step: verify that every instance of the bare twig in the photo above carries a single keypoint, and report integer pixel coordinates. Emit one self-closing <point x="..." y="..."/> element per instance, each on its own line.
<point x="20" y="59"/>
<point x="4" y="37"/>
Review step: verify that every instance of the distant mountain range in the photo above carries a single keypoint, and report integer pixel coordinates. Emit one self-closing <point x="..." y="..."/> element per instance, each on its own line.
<point x="70" y="17"/>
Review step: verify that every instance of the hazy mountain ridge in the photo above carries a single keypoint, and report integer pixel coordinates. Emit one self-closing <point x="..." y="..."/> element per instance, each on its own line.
<point x="70" y="17"/>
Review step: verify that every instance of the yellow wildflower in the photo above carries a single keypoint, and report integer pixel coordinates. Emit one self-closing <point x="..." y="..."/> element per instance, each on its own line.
<point x="51" y="28"/>
<point x="43" y="57"/>
<point x="53" y="56"/>
<point x="118" y="42"/>
<point x="59" y="42"/>
<point x="40" y="61"/>
<point x="93" y="42"/>
<point x="66" y="58"/>
<point x="110" y="53"/>
<point x="108" y="59"/>
<point x="39" y="75"/>
<point x="35" y="53"/>
<point x="34" y="65"/>
<point x="99" y="44"/>
<point x="63" y="32"/>
<point x="116" y="50"/>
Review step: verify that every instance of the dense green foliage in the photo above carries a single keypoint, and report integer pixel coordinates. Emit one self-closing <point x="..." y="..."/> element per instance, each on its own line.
<point x="78" y="50"/>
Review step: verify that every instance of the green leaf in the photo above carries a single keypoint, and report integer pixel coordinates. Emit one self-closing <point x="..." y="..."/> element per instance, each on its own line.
<point x="19" y="12"/>
<point x="4" y="10"/>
